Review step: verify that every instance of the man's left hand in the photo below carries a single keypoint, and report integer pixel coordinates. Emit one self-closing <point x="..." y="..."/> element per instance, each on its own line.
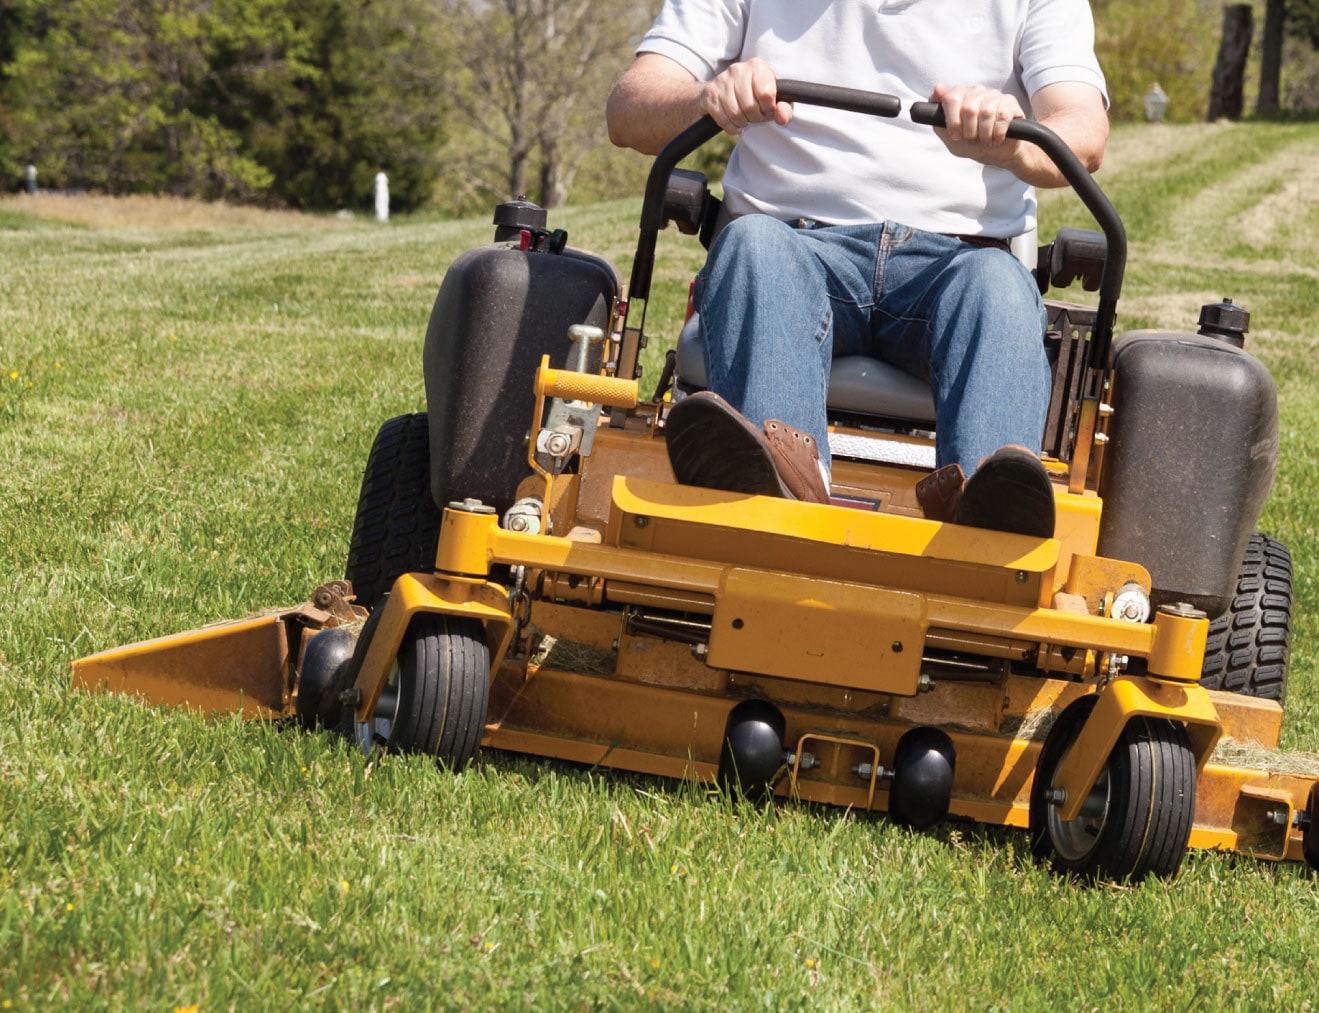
<point x="978" y="119"/>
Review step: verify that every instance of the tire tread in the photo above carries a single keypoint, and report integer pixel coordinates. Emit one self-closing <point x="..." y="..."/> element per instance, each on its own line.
<point x="397" y="526"/>
<point x="1249" y="645"/>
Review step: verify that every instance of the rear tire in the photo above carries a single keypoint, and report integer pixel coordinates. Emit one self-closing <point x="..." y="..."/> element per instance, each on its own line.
<point x="438" y="692"/>
<point x="1136" y="820"/>
<point x="1249" y="645"/>
<point x="397" y="527"/>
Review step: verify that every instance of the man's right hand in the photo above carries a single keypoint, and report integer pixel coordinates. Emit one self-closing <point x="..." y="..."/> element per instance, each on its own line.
<point x="743" y="94"/>
<point x="656" y="98"/>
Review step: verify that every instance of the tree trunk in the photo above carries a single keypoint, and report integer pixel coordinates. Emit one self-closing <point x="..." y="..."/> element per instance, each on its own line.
<point x="552" y="193"/>
<point x="1270" y="68"/>
<point x="519" y="150"/>
<point x="1227" y="97"/>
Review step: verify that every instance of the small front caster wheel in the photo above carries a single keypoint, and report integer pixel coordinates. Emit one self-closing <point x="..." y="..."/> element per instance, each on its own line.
<point x="1136" y="819"/>
<point x="437" y="694"/>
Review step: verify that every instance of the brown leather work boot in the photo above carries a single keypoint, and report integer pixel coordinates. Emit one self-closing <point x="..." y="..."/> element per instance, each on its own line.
<point x="940" y="492"/>
<point x="797" y="460"/>
<point x="1010" y="491"/>
<point x="711" y="445"/>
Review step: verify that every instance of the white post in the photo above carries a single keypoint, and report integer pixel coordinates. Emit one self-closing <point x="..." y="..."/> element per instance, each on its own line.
<point x="1156" y="103"/>
<point x="382" y="197"/>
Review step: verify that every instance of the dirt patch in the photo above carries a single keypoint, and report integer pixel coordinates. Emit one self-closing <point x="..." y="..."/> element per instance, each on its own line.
<point x="101" y="212"/>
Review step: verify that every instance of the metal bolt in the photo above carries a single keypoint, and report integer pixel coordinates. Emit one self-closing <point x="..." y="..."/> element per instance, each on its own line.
<point x="1055" y="796"/>
<point x="1101" y="438"/>
<point x="1279" y="816"/>
<point x="699" y="651"/>
<point x="471" y="506"/>
<point x="1183" y="609"/>
<point x="584" y="336"/>
<point x="640" y="520"/>
<point x="557" y="444"/>
<point x="351" y="697"/>
<point x="525" y="515"/>
<point x="1022" y="576"/>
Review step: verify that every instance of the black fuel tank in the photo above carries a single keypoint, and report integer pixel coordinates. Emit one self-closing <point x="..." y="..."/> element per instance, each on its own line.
<point x="1193" y="446"/>
<point x="499" y="309"/>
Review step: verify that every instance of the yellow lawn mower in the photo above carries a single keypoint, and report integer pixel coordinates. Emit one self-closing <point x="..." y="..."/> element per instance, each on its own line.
<point x="525" y="573"/>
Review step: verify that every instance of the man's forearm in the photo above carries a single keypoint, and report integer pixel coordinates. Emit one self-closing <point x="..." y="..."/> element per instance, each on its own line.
<point x="1076" y="114"/>
<point x="649" y="106"/>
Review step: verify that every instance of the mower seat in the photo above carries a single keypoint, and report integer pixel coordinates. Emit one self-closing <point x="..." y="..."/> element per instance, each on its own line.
<point x="858" y="384"/>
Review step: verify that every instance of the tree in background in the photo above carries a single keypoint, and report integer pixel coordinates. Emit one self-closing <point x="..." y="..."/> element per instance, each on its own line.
<point x="296" y="102"/>
<point x="14" y="25"/>
<point x="1227" y="95"/>
<point x="360" y="91"/>
<point x="1298" y="18"/>
<point x="101" y="97"/>
<point x="532" y="78"/>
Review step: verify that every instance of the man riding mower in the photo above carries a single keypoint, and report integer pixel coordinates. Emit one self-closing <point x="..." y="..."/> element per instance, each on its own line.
<point x="533" y="579"/>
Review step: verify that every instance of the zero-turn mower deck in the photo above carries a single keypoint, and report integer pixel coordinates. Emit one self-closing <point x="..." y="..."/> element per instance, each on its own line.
<point x="849" y="627"/>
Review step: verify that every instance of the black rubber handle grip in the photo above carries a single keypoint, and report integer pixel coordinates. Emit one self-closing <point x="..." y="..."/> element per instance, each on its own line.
<point x="849" y="99"/>
<point x="928" y="113"/>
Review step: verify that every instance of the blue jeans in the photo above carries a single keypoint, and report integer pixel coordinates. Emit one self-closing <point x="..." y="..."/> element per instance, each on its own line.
<point x="778" y="302"/>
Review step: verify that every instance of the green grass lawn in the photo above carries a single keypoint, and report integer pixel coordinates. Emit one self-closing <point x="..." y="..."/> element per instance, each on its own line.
<point x="185" y="408"/>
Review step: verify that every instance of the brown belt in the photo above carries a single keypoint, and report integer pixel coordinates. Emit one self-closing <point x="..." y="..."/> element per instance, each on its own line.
<point x="989" y="242"/>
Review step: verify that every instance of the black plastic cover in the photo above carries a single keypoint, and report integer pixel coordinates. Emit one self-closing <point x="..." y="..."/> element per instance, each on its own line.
<point x="1193" y="446"/>
<point x="513" y="216"/>
<point x="1226" y="321"/>
<point x="1074" y="254"/>
<point x="499" y="309"/>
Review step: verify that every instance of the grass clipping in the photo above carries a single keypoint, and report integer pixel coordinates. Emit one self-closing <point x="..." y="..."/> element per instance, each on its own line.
<point x="1230" y="753"/>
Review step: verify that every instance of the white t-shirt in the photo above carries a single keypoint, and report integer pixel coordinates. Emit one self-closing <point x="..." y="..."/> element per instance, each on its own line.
<point x="848" y="168"/>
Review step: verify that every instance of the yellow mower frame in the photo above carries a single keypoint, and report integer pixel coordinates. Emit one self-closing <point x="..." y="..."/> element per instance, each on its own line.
<point x="845" y="687"/>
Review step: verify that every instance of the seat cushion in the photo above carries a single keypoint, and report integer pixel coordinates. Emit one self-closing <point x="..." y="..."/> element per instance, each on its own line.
<point x="857" y="384"/>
